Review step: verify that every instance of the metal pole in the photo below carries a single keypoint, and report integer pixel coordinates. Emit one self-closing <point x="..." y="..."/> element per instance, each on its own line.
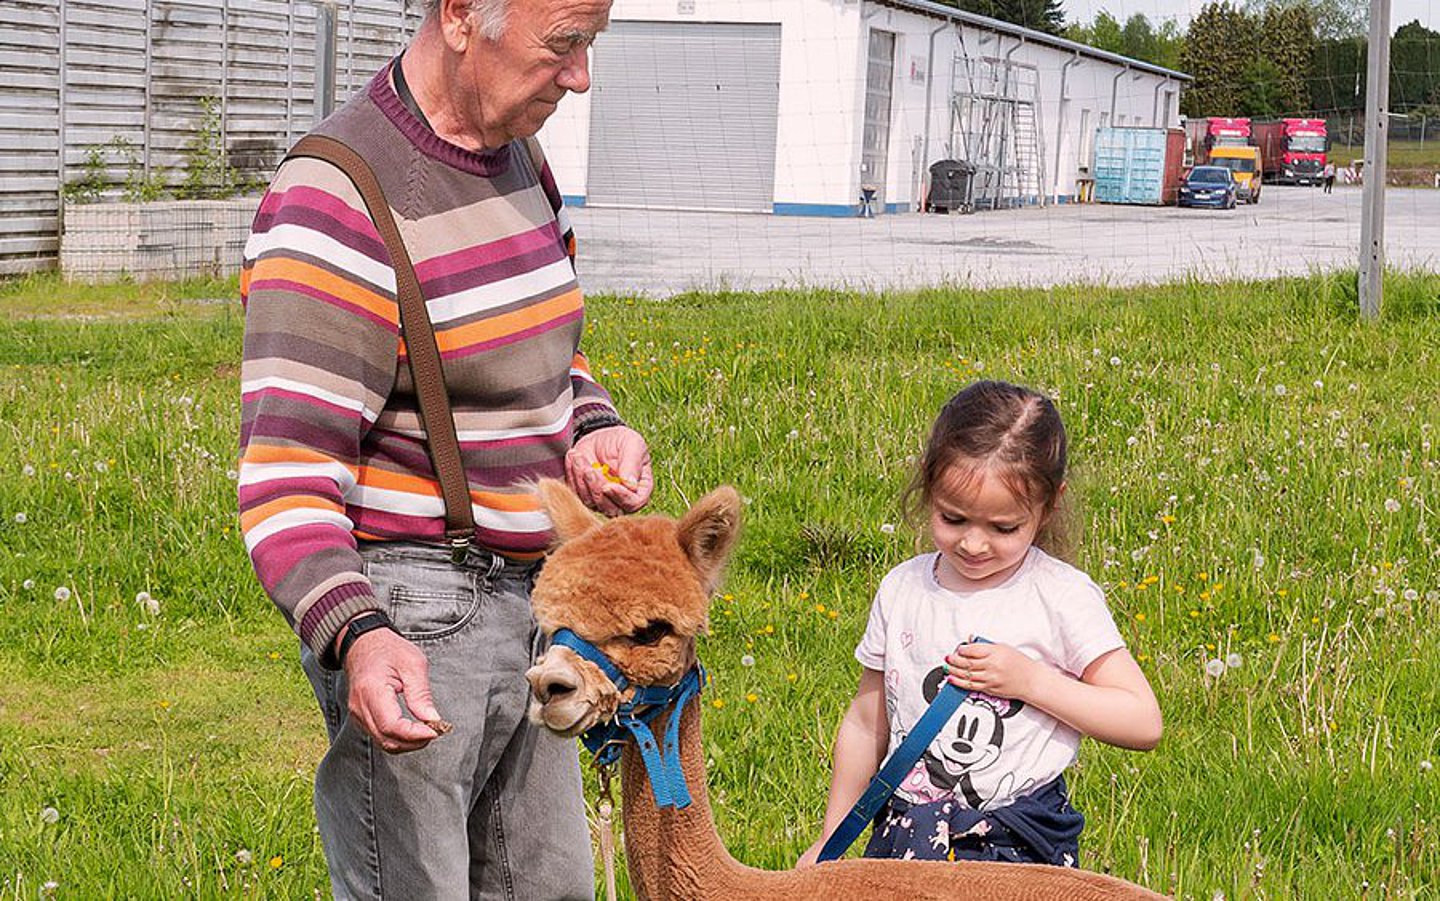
<point x="324" y="59"/>
<point x="1377" y="126"/>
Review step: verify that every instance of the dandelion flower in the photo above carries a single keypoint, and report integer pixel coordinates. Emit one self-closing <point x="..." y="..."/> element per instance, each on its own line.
<point x="1273" y="638"/>
<point x="49" y="815"/>
<point x="1140" y="617"/>
<point x="791" y="677"/>
<point x="718" y="703"/>
<point x="277" y="862"/>
<point x="62" y="593"/>
<point x="747" y="660"/>
<point x="1215" y="667"/>
<point x="752" y="697"/>
<point x="1233" y="660"/>
<point x="1392" y="505"/>
<point x="21" y="519"/>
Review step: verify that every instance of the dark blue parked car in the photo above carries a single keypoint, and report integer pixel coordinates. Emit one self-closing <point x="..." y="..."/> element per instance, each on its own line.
<point x="1209" y="186"/>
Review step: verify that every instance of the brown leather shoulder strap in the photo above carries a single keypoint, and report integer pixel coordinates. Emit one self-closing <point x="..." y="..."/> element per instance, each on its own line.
<point x="425" y="366"/>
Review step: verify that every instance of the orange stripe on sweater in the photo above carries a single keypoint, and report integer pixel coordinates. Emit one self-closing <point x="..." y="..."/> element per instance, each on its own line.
<point x="510" y="323"/>
<point x="372" y="477"/>
<point x="287" y="453"/>
<point x="342" y="288"/>
<point x="256" y="515"/>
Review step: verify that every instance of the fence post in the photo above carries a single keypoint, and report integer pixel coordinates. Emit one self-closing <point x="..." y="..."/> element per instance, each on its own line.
<point x="324" y="59"/>
<point x="1377" y="126"/>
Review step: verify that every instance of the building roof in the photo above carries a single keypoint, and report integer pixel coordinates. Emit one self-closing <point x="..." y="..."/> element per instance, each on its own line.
<point x="941" y="11"/>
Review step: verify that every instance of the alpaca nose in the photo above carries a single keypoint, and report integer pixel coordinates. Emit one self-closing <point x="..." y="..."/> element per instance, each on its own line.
<point x="553" y="686"/>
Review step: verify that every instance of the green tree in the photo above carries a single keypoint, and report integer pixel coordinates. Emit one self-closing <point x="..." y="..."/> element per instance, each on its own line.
<point x="1103" y="33"/>
<point x="1219" y="50"/>
<point x="1040" y="15"/>
<point x="1138" y="38"/>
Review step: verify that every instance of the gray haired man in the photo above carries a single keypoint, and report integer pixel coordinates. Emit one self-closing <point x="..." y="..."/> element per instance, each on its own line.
<point x="339" y="503"/>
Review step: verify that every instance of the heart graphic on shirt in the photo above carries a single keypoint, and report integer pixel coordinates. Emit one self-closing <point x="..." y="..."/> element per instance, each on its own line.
<point x="907" y="639"/>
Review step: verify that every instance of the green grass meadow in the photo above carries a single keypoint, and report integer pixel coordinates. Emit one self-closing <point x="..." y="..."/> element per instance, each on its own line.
<point x="1256" y="478"/>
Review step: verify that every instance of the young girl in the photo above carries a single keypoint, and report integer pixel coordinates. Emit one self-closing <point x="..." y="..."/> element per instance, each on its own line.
<point x="990" y="786"/>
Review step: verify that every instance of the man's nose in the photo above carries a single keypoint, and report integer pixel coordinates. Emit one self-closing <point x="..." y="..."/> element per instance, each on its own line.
<point x="575" y="76"/>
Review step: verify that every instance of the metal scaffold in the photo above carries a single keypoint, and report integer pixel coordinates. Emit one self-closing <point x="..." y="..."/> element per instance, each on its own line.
<point x="995" y="126"/>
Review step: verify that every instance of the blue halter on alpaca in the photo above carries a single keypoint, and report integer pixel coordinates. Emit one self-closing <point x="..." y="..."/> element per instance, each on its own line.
<point x="633" y="717"/>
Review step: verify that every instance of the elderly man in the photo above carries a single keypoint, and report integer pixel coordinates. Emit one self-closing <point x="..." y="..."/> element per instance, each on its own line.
<point x="340" y="506"/>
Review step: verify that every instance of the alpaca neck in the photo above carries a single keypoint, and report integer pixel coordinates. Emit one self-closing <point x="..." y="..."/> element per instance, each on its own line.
<point x="677" y="853"/>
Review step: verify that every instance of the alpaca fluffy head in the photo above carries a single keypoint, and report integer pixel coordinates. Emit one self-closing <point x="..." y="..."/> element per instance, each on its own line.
<point x="637" y="587"/>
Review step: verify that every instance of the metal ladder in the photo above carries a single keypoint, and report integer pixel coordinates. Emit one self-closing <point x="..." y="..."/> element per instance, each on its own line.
<point x="994" y="123"/>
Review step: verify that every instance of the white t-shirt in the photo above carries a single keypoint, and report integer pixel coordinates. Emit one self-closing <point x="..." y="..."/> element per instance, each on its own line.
<point x="992" y="750"/>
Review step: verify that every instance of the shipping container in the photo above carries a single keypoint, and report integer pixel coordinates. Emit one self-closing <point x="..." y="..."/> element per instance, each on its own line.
<point x="1139" y="165"/>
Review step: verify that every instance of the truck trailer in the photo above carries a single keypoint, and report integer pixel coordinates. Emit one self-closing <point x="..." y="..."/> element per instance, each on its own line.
<point x="1293" y="150"/>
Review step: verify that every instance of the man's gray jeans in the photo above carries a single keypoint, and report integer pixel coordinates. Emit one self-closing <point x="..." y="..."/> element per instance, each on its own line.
<point x="493" y="810"/>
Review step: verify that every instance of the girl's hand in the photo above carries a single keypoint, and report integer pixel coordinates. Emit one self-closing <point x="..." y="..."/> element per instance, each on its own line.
<point x="811" y="855"/>
<point x="995" y="669"/>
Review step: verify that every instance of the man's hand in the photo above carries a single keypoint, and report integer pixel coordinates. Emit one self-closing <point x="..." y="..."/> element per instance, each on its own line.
<point x="381" y="665"/>
<point x="610" y="470"/>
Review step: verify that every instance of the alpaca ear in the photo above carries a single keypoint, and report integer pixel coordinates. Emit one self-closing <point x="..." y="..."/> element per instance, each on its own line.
<point x="567" y="512"/>
<point x="707" y="533"/>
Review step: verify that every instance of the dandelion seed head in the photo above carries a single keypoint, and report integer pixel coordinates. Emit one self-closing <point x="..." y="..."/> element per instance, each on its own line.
<point x="747" y="660"/>
<point x="28" y="585"/>
<point x="21" y="519"/>
<point x="1392" y="505"/>
<point x="1280" y="390"/>
<point x="1233" y="660"/>
<point x="102" y="466"/>
<point x="62" y="593"/>
<point x="1114" y="361"/>
<point x="244" y="857"/>
<point x="27" y="470"/>
<point x="1410" y="594"/>
<point x="1215" y="667"/>
<point x="1426" y="766"/>
<point x="49" y="815"/>
<point x="887" y="528"/>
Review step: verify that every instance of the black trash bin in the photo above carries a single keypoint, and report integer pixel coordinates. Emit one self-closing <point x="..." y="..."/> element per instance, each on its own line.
<point x="950" y="186"/>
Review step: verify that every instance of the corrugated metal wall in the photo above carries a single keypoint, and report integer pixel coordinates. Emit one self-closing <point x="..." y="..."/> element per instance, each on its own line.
<point x="75" y="73"/>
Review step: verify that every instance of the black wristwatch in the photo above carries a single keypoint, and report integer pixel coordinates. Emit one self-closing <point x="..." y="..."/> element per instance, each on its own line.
<point x="365" y="622"/>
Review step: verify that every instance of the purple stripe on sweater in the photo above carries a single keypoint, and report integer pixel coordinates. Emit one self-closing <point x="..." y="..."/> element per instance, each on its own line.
<point x="332" y="410"/>
<point x="277" y="554"/>
<point x="323" y="203"/>
<point x="503" y="340"/>
<point x="288" y="430"/>
<point x="328" y="602"/>
<point x="484" y="273"/>
<point x="363" y="240"/>
<point x="294" y="287"/>
<point x="462" y="261"/>
<point x="251" y="496"/>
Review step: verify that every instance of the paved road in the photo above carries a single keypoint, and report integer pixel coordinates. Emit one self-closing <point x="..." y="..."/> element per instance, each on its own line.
<point x="1291" y="231"/>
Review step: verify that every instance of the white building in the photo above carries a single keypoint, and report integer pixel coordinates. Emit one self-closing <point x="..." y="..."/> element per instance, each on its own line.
<point x="794" y="106"/>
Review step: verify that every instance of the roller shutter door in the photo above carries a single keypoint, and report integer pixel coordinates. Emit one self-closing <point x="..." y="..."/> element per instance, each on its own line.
<point x="683" y="116"/>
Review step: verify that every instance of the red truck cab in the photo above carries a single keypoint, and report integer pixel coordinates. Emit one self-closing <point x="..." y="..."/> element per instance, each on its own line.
<point x="1216" y="131"/>
<point x="1294" y="150"/>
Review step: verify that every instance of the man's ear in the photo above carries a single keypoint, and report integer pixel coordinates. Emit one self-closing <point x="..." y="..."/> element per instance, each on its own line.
<point x="456" y="26"/>
<point x="567" y="512"/>
<point x="707" y="533"/>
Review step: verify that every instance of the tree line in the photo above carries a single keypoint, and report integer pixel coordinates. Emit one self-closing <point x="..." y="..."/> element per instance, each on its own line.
<point x="1258" y="58"/>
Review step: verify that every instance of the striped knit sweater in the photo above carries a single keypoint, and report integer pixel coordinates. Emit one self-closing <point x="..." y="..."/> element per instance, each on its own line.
<point x="331" y="444"/>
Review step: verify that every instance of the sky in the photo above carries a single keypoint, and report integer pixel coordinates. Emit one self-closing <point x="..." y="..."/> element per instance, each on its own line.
<point x="1401" y="11"/>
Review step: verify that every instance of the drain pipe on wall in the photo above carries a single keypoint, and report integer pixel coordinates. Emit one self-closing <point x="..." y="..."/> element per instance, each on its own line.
<point x="1062" y="109"/>
<point x="1115" y="92"/>
<point x="922" y="176"/>
<point x="1155" y="105"/>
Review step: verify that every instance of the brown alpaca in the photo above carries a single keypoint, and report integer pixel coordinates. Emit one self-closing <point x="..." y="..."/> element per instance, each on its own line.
<point x="638" y="588"/>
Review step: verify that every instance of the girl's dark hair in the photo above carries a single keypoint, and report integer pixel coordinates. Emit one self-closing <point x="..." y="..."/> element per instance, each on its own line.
<point x="1012" y="431"/>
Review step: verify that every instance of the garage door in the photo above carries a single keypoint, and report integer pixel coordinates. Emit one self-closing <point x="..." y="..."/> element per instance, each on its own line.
<point x="683" y="116"/>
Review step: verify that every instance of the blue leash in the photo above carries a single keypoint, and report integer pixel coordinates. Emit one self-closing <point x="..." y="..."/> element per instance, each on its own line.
<point x="633" y="718"/>
<point x="894" y="770"/>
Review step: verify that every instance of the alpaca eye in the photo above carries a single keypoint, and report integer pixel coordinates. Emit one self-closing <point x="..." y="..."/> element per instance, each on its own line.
<point x="651" y="632"/>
